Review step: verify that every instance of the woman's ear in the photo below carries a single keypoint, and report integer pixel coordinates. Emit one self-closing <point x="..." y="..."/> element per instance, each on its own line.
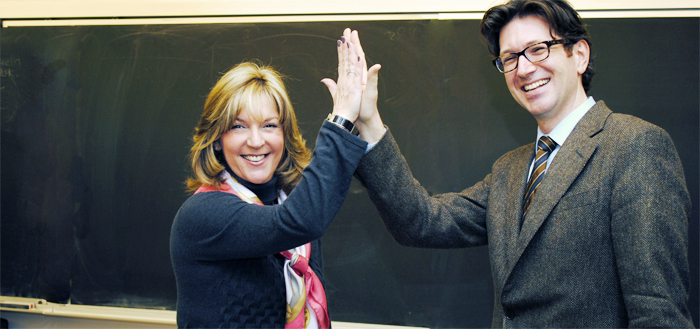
<point x="217" y="146"/>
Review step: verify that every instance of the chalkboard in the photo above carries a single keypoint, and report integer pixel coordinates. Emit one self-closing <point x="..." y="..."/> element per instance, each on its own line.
<point x="96" y="122"/>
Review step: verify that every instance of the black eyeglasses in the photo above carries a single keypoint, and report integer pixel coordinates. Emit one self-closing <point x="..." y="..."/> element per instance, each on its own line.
<point x="534" y="53"/>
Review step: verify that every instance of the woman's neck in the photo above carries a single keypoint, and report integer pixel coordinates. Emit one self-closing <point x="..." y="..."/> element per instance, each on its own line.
<point x="266" y="192"/>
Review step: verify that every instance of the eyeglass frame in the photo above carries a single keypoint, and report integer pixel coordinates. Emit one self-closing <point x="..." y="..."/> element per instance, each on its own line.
<point x="549" y="44"/>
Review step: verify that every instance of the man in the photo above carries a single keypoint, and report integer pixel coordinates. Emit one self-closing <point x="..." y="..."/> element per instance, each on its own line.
<point x="598" y="236"/>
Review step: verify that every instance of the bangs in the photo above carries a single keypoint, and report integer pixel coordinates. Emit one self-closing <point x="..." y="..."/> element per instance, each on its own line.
<point x="251" y="98"/>
<point x="245" y="87"/>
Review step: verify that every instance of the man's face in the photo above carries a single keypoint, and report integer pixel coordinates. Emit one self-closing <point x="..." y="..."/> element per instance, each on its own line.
<point x="549" y="89"/>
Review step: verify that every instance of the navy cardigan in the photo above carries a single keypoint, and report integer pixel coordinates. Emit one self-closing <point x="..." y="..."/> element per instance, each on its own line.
<point x="225" y="252"/>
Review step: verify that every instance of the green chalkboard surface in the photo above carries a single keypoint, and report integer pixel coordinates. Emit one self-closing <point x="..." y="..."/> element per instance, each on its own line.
<point x="96" y="122"/>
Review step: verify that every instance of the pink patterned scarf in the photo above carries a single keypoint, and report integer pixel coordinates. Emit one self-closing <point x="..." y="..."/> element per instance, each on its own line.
<point x="306" y="298"/>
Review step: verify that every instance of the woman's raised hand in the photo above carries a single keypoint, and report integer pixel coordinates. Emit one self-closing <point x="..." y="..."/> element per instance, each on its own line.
<point x="347" y="91"/>
<point x="351" y="67"/>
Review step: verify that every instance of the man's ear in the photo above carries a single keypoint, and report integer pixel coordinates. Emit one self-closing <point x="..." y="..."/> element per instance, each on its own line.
<point x="582" y="52"/>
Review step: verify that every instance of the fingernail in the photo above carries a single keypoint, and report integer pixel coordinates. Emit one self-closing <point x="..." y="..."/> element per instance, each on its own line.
<point x="342" y="39"/>
<point x="358" y="58"/>
<point x="338" y="43"/>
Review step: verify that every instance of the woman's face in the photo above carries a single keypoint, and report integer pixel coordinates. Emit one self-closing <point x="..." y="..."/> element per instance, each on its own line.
<point x="254" y="145"/>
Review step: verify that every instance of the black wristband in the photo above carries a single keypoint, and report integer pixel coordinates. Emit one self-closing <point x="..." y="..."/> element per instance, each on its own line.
<point x="343" y="122"/>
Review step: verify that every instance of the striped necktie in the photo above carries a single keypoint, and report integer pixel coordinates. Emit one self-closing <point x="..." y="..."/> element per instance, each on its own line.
<point x="545" y="146"/>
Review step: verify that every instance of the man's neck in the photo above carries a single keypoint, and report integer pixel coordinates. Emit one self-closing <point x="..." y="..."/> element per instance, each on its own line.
<point x="546" y="124"/>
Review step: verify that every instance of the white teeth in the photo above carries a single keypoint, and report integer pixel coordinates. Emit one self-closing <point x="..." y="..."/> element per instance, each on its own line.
<point x="535" y="85"/>
<point x="254" y="158"/>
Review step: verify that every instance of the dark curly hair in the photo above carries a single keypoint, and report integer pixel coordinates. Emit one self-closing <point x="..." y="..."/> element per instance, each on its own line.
<point x="562" y="18"/>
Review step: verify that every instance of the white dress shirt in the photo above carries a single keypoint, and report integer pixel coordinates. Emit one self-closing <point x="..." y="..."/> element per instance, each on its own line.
<point x="562" y="131"/>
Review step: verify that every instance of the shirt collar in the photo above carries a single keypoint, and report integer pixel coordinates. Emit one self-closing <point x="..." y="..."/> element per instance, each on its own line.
<point x="562" y="131"/>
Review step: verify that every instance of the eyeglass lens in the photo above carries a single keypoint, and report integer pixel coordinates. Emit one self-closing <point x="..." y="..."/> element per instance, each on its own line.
<point x="535" y="53"/>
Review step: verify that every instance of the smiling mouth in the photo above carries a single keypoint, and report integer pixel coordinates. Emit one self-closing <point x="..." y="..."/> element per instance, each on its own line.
<point x="254" y="158"/>
<point x="535" y="85"/>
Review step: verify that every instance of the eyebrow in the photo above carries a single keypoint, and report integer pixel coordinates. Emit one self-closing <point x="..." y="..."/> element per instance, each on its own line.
<point x="515" y="52"/>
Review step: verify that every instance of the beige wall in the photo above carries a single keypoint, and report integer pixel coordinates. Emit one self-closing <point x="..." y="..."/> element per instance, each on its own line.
<point x="33" y="9"/>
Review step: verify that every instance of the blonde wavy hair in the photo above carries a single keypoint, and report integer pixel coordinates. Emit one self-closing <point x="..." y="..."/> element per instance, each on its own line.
<point x="235" y="90"/>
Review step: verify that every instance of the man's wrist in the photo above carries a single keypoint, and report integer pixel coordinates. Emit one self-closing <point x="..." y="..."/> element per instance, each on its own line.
<point x="372" y="131"/>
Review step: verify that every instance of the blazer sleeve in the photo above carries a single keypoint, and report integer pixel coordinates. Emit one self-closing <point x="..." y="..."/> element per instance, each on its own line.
<point x="414" y="218"/>
<point x="219" y="225"/>
<point x="650" y="211"/>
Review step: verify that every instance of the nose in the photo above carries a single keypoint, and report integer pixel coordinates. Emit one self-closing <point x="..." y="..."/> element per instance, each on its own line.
<point x="525" y="67"/>
<point x="255" y="138"/>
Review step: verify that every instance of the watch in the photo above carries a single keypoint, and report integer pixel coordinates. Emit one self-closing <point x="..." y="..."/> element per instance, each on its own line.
<point x="343" y="122"/>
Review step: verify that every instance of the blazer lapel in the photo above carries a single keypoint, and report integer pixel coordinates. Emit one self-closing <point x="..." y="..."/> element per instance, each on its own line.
<point x="566" y="166"/>
<point x="504" y="242"/>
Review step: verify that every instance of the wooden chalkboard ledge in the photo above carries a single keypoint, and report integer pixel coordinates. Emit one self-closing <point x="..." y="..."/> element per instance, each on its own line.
<point x="36" y="313"/>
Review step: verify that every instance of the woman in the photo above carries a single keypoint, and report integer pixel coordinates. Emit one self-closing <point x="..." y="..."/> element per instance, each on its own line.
<point x="244" y="246"/>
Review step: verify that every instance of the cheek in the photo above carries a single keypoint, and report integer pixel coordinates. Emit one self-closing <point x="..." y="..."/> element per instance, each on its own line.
<point x="510" y="79"/>
<point x="225" y="141"/>
<point x="277" y="141"/>
<point x="230" y="143"/>
<point x="279" y="151"/>
<point x="512" y="88"/>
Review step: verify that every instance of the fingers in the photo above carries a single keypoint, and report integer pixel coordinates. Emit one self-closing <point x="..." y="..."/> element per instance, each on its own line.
<point x="368" y="107"/>
<point x="347" y="56"/>
<point x="347" y="90"/>
<point x="352" y="74"/>
<point x="369" y="122"/>
<point x="354" y="63"/>
<point x="330" y="84"/>
<point x="342" y="50"/>
<point x="342" y="55"/>
<point x="373" y="77"/>
<point x="355" y="39"/>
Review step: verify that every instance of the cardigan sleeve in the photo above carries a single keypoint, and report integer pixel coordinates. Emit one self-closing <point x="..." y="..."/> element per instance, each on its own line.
<point x="220" y="226"/>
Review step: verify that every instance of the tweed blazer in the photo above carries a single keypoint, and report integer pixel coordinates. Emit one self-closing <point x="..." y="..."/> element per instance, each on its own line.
<point x="605" y="240"/>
